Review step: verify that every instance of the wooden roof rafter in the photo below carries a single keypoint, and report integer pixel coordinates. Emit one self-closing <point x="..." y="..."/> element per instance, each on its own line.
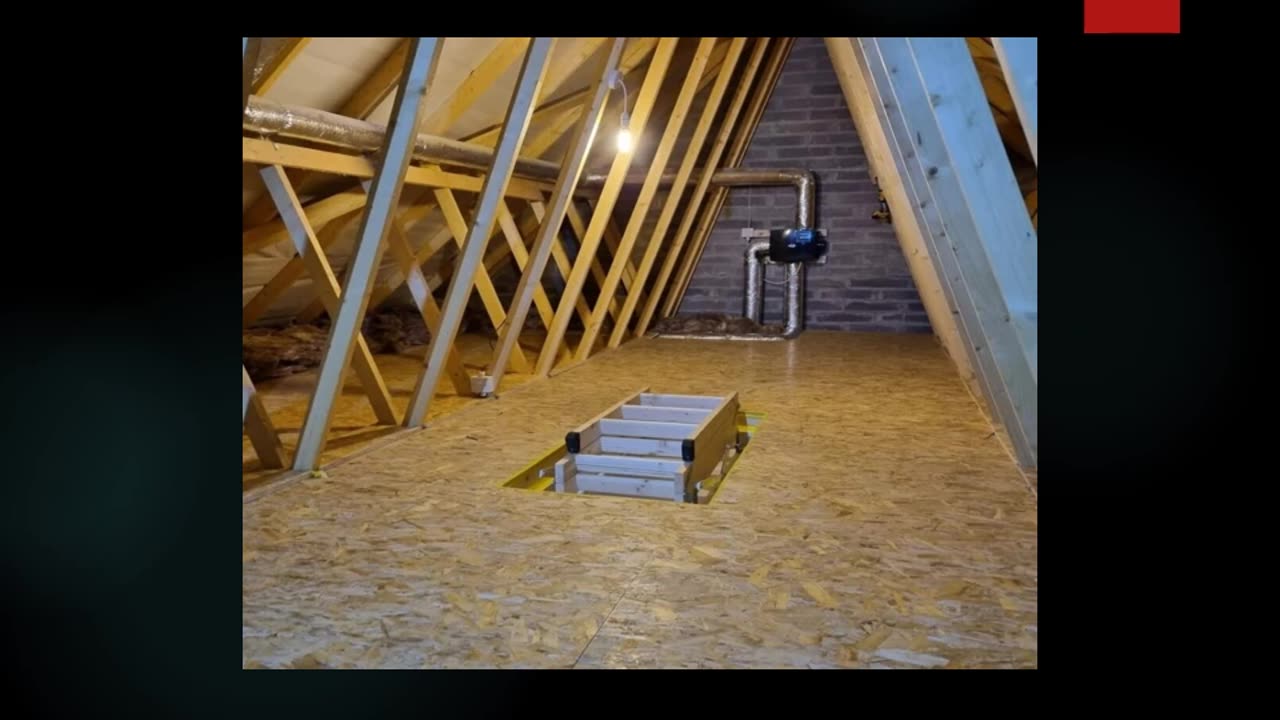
<point x="926" y="117"/>
<point x="375" y="227"/>
<point x="463" y="97"/>
<point x="484" y="219"/>
<point x="742" y="134"/>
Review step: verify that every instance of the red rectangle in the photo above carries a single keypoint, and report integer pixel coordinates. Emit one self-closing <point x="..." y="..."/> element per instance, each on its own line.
<point x="1132" y="16"/>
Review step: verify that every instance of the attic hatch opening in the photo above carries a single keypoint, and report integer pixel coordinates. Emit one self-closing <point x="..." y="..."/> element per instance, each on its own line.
<point x="649" y="446"/>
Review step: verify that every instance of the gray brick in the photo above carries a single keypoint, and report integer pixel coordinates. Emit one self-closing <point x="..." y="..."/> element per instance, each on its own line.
<point x="847" y="317"/>
<point x="882" y="282"/>
<point x="811" y="79"/>
<point x="864" y="306"/>
<point x="819" y="306"/>
<point x="778" y="140"/>
<point x="866" y="285"/>
<point x="853" y="294"/>
<point x="812" y="126"/>
<point x="899" y="294"/>
<point x="841" y="113"/>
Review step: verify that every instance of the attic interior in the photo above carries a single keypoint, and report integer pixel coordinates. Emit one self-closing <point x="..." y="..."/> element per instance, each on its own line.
<point x="639" y="353"/>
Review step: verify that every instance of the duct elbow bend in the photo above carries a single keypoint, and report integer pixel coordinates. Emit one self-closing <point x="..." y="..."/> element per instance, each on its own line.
<point x="755" y="250"/>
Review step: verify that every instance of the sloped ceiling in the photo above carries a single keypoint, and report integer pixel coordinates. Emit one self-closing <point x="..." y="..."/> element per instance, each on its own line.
<point x="327" y="71"/>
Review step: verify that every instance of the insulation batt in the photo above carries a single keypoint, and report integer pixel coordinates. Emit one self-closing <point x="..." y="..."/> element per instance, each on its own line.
<point x="713" y="324"/>
<point x="271" y="352"/>
<point x="279" y="351"/>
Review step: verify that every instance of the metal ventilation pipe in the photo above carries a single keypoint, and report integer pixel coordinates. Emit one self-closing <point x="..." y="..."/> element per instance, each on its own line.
<point x="795" y="300"/>
<point x="753" y="305"/>
<point x="806" y="200"/>
<point x="272" y="118"/>
<point x="803" y="181"/>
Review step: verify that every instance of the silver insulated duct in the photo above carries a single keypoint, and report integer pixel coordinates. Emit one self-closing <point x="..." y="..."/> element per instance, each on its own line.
<point x="274" y="119"/>
<point x="753" y="303"/>
<point x="757" y="252"/>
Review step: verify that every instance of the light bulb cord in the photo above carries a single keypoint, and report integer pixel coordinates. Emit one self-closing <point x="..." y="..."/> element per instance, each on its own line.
<point x="625" y="116"/>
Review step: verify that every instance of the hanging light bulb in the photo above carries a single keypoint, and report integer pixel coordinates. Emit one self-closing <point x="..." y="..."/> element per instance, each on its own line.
<point x="624" y="134"/>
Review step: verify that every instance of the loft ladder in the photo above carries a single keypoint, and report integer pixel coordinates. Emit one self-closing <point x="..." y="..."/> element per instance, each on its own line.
<point x="653" y="445"/>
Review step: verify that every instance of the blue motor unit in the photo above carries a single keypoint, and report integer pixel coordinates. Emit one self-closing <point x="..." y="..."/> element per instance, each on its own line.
<point x="797" y="245"/>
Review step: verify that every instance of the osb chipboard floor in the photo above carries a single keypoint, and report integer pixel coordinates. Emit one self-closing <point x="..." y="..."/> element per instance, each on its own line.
<point x="873" y="522"/>
<point x="354" y="425"/>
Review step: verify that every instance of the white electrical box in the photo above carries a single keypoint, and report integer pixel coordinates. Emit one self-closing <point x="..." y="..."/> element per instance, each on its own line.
<point x="482" y="385"/>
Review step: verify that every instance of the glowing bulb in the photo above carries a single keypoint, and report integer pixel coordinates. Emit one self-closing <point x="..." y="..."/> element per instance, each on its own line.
<point x="624" y="140"/>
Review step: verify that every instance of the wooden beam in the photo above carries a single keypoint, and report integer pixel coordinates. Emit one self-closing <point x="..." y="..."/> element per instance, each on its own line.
<point x="483" y="283"/>
<point x="613" y="241"/>
<point x="672" y="203"/>
<point x="631" y="66"/>
<point x="518" y="250"/>
<point x="410" y="217"/>
<point x="275" y="67"/>
<point x="958" y="170"/>
<point x="550" y="222"/>
<point x="489" y="135"/>
<point x="289" y="273"/>
<point x="925" y="263"/>
<point x="632" y="70"/>
<point x="479" y="80"/>
<point x="561" y="258"/>
<point x="379" y="85"/>
<point x="712" y="164"/>
<point x="571" y="103"/>
<point x="362" y="102"/>
<point x="420" y="289"/>
<point x="252" y="48"/>
<point x="257" y="424"/>
<point x="579" y="226"/>
<point x="737" y="150"/>
<point x="622" y="256"/>
<point x="254" y="417"/>
<point x="495" y="256"/>
<point x="604" y="206"/>
<point x="319" y="213"/>
<point x="984" y="175"/>
<point x="686" y="235"/>
<point x="434" y="244"/>
<point x="308" y="248"/>
<point x="514" y="128"/>
<point x="384" y="197"/>
<point x="691" y="156"/>
<point x="565" y="62"/>
<point x="1018" y="59"/>
<point x="265" y="152"/>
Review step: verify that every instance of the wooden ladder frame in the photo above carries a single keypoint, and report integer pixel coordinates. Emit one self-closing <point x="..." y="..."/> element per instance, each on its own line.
<point x="650" y="445"/>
